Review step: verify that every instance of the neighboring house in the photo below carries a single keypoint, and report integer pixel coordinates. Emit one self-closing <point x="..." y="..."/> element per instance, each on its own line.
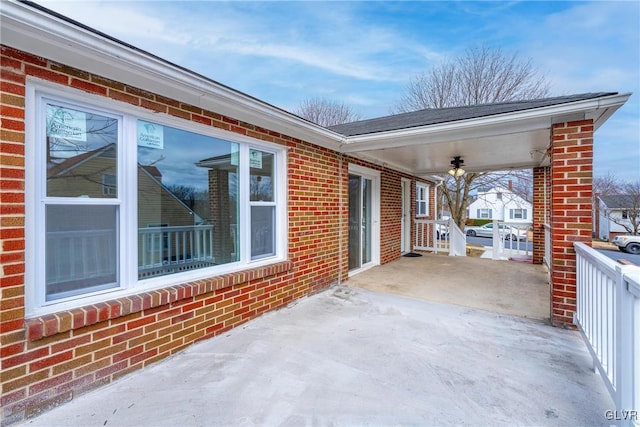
<point x="293" y="207"/>
<point x="616" y="215"/>
<point x="500" y="204"/>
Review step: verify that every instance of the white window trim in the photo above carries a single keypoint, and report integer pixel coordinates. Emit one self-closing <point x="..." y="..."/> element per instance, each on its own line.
<point x="374" y="176"/>
<point x="36" y="89"/>
<point x="426" y="188"/>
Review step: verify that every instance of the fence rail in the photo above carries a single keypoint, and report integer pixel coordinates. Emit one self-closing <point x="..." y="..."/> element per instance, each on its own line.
<point x="510" y="238"/>
<point x="174" y="246"/>
<point x="608" y="317"/>
<point x="431" y="235"/>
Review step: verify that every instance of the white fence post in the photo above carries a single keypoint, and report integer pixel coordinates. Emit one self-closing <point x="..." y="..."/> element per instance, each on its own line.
<point x="627" y="397"/>
<point x="458" y="240"/>
<point x="497" y="242"/>
<point x="608" y="317"/>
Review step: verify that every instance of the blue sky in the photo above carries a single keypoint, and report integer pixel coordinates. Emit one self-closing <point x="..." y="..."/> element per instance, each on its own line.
<point x="364" y="53"/>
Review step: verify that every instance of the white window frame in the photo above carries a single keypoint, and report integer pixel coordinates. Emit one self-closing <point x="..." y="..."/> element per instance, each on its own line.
<point x="375" y="177"/>
<point x="420" y="201"/>
<point x="513" y="211"/>
<point x="107" y="189"/>
<point x="482" y="211"/>
<point x="37" y="91"/>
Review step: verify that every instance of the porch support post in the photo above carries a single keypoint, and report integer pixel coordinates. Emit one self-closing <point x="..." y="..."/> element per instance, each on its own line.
<point x="571" y="221"/>
<point x="541" y="206"/>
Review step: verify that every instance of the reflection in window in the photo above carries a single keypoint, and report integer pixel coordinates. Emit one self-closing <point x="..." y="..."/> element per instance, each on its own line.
<point x="263" y="207"/>
<point x="187" y="200"/>
<point x="80" y="236"/>
<point x="81" y="249"/>
<point x="81" y="149"/>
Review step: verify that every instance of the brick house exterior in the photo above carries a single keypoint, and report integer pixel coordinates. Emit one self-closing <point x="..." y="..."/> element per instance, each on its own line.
<point x="49" y="358"/>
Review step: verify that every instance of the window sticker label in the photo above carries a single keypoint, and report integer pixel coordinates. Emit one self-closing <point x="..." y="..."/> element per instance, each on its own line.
<point x="255" y="159"/>
<point x="235" y="153"/>
<point x="150" y="135"/>
<point x="66" y="124"/>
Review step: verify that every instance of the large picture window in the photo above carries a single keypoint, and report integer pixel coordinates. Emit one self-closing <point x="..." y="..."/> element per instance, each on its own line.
<point x="121" y="203"/>
<point x="188" y="200"/>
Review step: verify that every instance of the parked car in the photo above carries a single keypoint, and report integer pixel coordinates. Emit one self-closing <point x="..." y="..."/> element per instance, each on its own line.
<point x="506" y="231"/>
<point x="628" y="243"/>
<point x="442" y="231"/>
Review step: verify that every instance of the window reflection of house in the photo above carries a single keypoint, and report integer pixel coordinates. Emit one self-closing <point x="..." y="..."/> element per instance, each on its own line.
<point x="169" y="232"/>
<point x="223" y="210"/>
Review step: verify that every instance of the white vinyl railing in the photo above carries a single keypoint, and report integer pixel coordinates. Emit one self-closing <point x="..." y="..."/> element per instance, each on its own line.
<point x="431" y="235"/>
<point x="608" y="317"/>
<point x="458" y="245"/>
<point x="76" y="255"/>
<point x="441" y="235"/>
<point x="165" y="246"/>
<point x="510" y="238"/>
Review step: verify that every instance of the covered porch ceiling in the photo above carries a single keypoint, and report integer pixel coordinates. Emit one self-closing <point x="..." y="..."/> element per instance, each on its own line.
<point x="487" y="137"/>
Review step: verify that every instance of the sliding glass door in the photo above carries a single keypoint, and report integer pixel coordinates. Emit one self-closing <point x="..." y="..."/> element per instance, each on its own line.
<point x="360" y="207"/>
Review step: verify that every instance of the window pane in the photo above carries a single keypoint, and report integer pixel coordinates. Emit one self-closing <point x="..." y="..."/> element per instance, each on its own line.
<point x="81" y="249"/>
<point x="81" y="149"/>
<point x="262" y="231"/>
<point x="187" y="200"/>
<point x="261" y="184"/>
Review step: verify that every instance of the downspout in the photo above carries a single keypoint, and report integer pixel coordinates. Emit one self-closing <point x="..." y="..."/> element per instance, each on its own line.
<point x="435" y="198"/>
<point x="435" y="213"/>
<point x="544" y="186"/>
<point x="340" y="219"/>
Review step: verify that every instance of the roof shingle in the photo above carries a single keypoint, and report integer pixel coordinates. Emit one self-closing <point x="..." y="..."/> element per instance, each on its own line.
<point x="433" y="116"/>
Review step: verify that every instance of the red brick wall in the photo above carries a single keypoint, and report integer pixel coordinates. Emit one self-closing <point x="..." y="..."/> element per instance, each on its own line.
<point x="571" y="198"/>
<point x="541" y="209"/>
<point x="49" y="359"/>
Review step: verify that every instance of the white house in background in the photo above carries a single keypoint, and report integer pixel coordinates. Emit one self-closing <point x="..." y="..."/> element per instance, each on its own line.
<point x="500" y="204"/>
<point x="613" y="212"/>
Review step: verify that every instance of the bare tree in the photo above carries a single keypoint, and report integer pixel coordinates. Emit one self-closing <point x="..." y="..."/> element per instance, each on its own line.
<point x="606" y="185"/>
<point x="627" y="210"/>
<point x="481" y="75"/>
<point x="326" y="112"/>
<point x="456" y="192"/>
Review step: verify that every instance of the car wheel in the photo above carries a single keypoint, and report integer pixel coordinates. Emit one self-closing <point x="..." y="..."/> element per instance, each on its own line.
<point x="471" y="233"/>
<point x="633" y="248"/>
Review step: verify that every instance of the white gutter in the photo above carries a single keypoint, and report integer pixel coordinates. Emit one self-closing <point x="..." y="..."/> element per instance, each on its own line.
<point x="37" y="32"/>
<point x="499" y="124"/>
<point x="27" y="28"/>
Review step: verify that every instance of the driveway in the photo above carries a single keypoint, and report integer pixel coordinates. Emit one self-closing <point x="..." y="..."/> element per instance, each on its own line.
<point x="353" y="357"/>
<point x="617" y="255"/>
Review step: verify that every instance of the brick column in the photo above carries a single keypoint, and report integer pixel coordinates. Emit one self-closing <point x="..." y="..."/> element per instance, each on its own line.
<point x="219" y="204"/>
<point x="541" y="209"/>
<point x="571" y="221"/>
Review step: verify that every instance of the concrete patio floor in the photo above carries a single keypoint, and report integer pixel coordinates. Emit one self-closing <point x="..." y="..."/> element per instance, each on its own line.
<point x="354" y="357"/>
<point x="507" y="287"/>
